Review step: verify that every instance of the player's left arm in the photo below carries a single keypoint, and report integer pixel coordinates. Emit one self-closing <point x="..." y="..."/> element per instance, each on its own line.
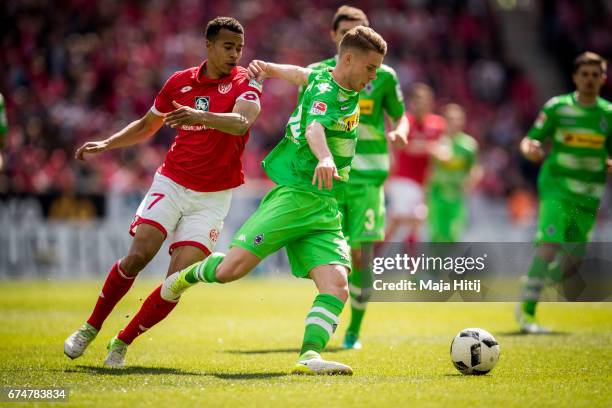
<point x="238" y="122"/>
<point x="294" y="74"/>
<point x="393" y="105"/>
<point x="398" y="136"/>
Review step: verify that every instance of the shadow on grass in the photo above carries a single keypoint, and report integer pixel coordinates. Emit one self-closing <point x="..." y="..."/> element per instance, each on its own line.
<point x="520" y="333"/>
<point x="279" y="350"/>
<point x="84" y="369"/>
<point x="246" y="376"/>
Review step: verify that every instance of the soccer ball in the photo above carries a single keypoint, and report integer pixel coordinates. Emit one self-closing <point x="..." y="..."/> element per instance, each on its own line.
<point x="474" y="351"/>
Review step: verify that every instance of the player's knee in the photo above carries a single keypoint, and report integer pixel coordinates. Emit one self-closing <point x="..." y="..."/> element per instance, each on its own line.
<point x="133" y="263"/>
<point x="338" y="285"/>
<point x="229" y="270"/>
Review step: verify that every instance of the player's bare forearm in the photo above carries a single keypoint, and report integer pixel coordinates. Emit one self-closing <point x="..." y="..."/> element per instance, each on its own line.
<point x="238" y="121"/>
<point x="398" y="136"/>
<point x="290" y="73"/>
<point x="326" y="172"/>
<point x="134" y="133"/>
<point x="532" y="149"/>
<point x="315" y="136"/>
<point x="233" y="123"/>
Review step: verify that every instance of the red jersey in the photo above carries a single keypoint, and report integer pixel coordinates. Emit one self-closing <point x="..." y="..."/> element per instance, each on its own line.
<point x="414" y="165"/>
<point x="202" y="158"/>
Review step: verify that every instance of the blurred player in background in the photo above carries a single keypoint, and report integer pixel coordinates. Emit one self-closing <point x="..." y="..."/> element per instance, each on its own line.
<point x="3" y="125"/>
<point x="310" y="165"/>
<point x="571" y="180"/>
<point x="362" y="200"/>
<point x="212" y="107"/>
<point x="406" y="186"/>
<point x="453" y="173"/>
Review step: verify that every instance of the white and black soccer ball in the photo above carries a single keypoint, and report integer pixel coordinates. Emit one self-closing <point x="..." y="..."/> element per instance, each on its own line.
<point x="474" y="351"/>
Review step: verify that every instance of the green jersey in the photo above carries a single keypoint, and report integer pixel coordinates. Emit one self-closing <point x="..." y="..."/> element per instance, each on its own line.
<point x="291" y="162"/>
<point x="383" y="94"/>
<point x="447" y="177"/>
<point x="575" y="168"/>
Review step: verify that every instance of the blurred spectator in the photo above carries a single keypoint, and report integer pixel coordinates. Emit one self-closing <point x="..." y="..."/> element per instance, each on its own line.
<point x="85" y="69"/>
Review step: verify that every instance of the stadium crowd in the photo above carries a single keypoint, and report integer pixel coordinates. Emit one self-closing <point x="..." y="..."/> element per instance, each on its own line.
<point x="78" y="70"/>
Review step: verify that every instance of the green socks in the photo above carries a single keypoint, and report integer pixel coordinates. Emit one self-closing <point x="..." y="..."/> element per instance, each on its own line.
<point x="359" y="301"/>
<point x="204" y="271"/>
<point x="321" y="322"/>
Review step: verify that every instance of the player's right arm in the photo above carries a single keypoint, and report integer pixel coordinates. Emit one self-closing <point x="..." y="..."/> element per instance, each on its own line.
<point x="136" y="132"/>
<point x="290" y="73"/>
<point x="544" y="126"/>
<point x="326" y="170"/>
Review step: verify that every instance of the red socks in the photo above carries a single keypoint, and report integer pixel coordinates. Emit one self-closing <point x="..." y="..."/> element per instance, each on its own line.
<point x="115" y="287"/>
<point x="153" y="310"/>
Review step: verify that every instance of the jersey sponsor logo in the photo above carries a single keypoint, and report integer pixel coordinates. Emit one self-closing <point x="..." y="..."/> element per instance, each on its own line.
<point x="350" y="122"/>
<point x="250" y="96"/>
<point x="323" y="87"/>
<point x="366" y="106"/>
<point x="540" y="120"/>
<point x="186" y="89"/>
<point x="318" y="108"/>
<point x="202" y="103"/>
<point x="584" y="140"/>
<point x="253" y="83"/>
<point x="213" y="234"/>
<point x="224" y="88"/>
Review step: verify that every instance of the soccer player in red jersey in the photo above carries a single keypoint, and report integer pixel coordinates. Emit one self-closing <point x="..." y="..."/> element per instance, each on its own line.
<point x="212" y="107"/>
<point x="405" y="188"/>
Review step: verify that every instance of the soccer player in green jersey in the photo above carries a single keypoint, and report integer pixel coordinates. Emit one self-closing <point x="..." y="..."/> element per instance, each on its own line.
<point x="301" y="213"/>
<point x="362" y="200"/>
<point x="453" y="171"/>
<point x="571" y="181"/>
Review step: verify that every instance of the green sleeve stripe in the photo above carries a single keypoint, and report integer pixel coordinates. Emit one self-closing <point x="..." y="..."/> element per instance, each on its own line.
<point x="341" y="147"/>
<point x="371" y="162"/>
<point x="367" y="132"/>
<point x="587" y="163"/>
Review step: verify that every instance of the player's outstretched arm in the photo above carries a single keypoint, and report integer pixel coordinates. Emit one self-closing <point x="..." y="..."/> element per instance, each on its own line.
<point x="398" y="136"/>
<point x="294" y="74"/>
<point x="246" y="109"/>
<point x="133" y="133"/>
<point x="326" y="170"/>
<point x="532" y="150"/>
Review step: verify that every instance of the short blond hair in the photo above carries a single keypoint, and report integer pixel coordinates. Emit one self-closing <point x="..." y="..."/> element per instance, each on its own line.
<point x="363" y="38"/>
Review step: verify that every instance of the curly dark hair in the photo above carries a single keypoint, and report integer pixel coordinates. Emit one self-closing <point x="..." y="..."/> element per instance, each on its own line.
<point x="216" y="24"/>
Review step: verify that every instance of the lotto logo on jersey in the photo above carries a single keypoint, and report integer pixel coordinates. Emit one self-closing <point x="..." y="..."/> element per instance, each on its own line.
<point x="318" y="108"/>
<point x="366" y="106"/>
<point x="202" y="103"/>
<point x="584" y="140"/>
<point x="350" y="122"/>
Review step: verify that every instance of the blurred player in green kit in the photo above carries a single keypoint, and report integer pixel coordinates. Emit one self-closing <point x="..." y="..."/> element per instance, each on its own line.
<point x="362" y="199"/>
<point x="454" y="171"/>
<point x="571" y="181"/>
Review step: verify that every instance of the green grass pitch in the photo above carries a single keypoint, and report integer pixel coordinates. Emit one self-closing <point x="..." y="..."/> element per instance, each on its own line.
<point x="233" y="346"/>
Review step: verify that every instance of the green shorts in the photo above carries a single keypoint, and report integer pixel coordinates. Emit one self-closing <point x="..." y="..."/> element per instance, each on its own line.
<point x="446" y="218"/>
<point x="561" y="222"/>
<point x="363" y="213"/>
<point x="307" y="224"/>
